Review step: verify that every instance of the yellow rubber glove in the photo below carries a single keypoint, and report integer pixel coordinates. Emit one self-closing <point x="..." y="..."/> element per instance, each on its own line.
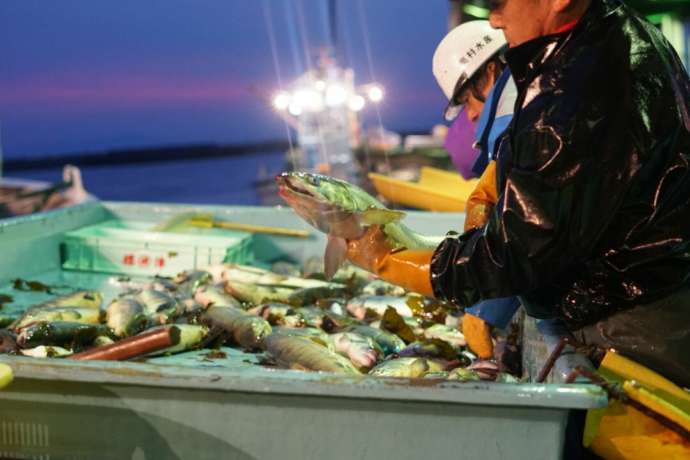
<point x="406" y="268"/>
<point x="479" y="205"/>
<point x="478" y="336"/>
<point x="482" y="199"/>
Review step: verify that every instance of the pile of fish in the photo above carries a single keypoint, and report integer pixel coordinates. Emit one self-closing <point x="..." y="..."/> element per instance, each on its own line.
<point x="352" y="324"/>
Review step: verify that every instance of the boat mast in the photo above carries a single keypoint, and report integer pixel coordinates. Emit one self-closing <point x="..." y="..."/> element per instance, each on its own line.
<point x="333" y="23"/>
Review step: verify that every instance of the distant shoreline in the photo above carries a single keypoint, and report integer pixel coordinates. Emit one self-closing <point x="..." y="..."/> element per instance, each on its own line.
<point x="151" y="154"/>
<point x="142" y="155"/>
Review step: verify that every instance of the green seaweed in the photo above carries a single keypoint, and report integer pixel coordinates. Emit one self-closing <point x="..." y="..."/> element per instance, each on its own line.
<point x="394" y="323"/>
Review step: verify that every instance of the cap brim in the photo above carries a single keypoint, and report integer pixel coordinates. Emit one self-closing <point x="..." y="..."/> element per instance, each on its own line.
<point x="452" y="111"/>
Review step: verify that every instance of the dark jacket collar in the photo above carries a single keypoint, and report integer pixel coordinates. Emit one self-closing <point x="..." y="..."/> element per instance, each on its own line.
<point x="525" y="60"/>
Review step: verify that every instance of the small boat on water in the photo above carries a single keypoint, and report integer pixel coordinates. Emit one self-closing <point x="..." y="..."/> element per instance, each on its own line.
<point x="19" y="196"/>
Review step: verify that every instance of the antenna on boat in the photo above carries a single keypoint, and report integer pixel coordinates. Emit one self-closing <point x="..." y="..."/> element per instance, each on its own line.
<point x="333" y="22"/>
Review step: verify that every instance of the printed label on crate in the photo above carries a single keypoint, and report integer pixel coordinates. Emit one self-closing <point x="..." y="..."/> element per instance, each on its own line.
<point x="144" y="260"/>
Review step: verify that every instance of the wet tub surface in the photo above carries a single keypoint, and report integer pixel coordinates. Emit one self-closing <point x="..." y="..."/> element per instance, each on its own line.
<point x="191" y="406"/>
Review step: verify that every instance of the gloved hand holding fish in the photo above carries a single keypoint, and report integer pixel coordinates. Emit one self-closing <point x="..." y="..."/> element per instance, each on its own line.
<point x="361" y="229"/>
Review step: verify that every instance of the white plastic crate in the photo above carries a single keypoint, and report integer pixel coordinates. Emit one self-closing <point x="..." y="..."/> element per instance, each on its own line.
<point x="112" y="247"/>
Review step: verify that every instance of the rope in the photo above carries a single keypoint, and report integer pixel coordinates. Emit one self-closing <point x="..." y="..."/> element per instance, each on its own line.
<point x="276" y="64"/>
<point x="372" y="75"/>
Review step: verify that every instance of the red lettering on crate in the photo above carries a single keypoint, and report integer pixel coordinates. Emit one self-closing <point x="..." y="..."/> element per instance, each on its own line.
<point x="160" y="262"/>
<point x="144" y="261"/>
<point x="128" y="259"/>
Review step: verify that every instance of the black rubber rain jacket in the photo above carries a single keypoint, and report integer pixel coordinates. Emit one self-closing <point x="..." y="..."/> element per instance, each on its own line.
<point x="594" y="211"/>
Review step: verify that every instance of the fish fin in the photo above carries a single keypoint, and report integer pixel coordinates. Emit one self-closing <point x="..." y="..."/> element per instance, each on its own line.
<point x="377" y="216"/>
<point x="318" y="341"/>
<point x="334" y="256"/>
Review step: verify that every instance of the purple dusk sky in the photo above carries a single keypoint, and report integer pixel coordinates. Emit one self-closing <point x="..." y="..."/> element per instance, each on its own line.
<point x="88" y="75"/>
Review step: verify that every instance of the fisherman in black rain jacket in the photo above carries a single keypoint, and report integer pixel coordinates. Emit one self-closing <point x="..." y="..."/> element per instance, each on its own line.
<point x="592" y="224"/>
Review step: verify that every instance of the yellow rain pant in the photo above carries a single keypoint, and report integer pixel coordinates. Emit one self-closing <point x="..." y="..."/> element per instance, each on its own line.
<point x="622" y="432"/>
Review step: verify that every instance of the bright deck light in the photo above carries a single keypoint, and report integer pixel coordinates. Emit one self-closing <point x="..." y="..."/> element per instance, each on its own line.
<point x="375" y="93"/>
<point x="281" y="101"/>
<point x="295" y="109"/>
<point x="336" y="95"/>
<point x="356" y="103"/>
<point x="309" y="99"/>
